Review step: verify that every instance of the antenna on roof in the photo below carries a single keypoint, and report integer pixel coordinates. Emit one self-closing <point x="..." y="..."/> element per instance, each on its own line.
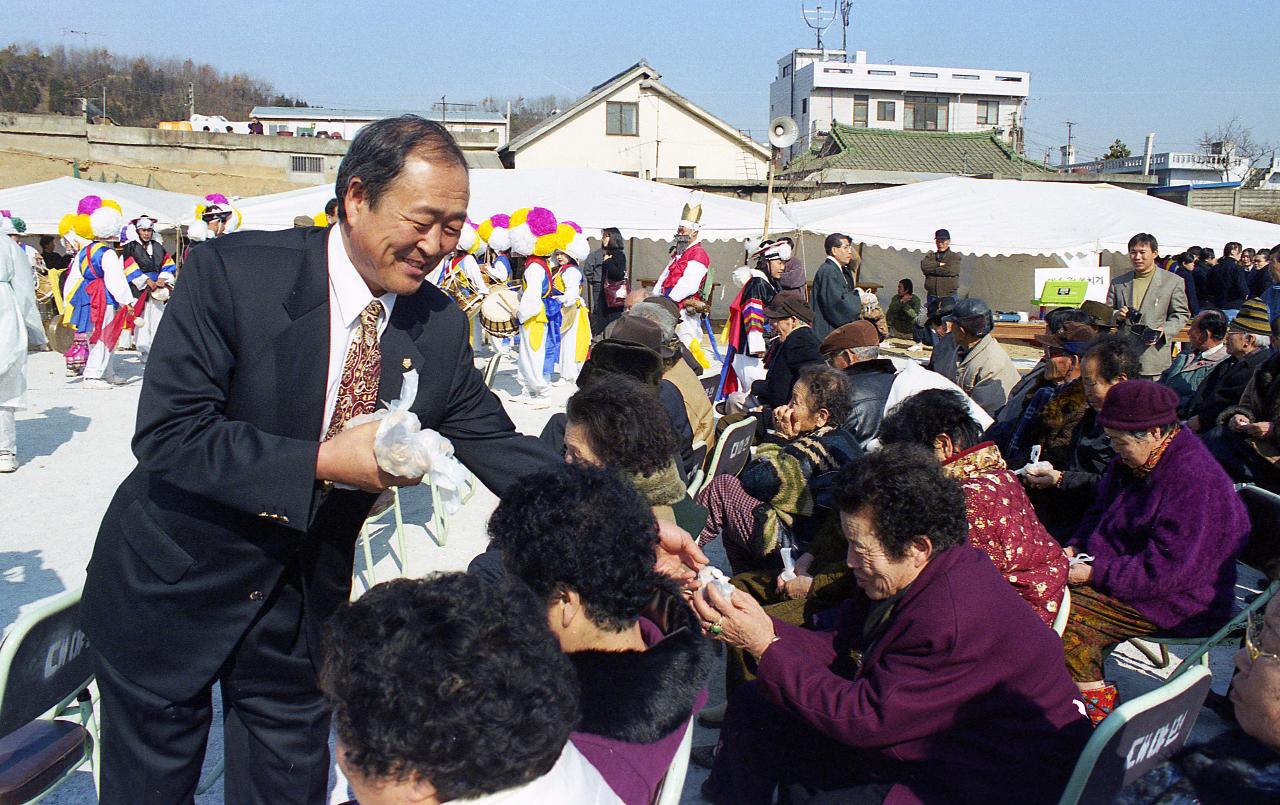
<point x="845" y="7"/>
<point x="818" y="20"/>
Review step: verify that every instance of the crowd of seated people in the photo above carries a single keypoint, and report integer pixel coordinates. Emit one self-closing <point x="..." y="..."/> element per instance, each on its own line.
<point x="899" y="544"/>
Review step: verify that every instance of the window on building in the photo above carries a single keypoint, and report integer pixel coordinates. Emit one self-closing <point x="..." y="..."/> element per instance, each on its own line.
<point x="303" y="164"/>
<point x="988" y="113"/>
<point x="924" y="113"/>
<point x="860" y="111"/>
<point x="688" y="171"/>
<point x="886" y="110"/>
<point x="965" y="76"/>
<point x="882" y="72"/>
<point x="621" y="118"/>
<point x="1011" y="78"/>
<point x="924" y="75"/>
<point x="804" y="106"/>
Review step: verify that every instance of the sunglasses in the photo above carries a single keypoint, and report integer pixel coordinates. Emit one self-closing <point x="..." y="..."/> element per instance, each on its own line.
<point x="1253" y="636"/>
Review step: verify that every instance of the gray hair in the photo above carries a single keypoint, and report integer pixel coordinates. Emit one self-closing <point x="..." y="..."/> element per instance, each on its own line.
<point x="659" y="316"/>
<point x="1263" y="341"/>
<point x="866" y="353"/>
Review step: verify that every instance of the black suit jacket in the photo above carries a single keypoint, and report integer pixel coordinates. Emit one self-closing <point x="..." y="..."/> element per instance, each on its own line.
<point x="798" y="350"/>
<point x="224" y="496"/>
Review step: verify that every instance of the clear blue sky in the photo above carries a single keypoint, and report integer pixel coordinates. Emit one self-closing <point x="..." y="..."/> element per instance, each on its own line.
<point x="1118" y="69"/>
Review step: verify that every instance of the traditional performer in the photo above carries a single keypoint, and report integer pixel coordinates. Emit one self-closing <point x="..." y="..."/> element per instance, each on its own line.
<point x="149" y="266"/>
<point x="214" y="218"/>
<point x="575" y="337"/>
<point x="20" y="326"/>
<point x="13" y="226"/>
<point x="99" y="304"/>
<point x="495" y="234"/>
<point x="534" y="236"/>
<point x="683" y="279"/>
<point x="745" y="328"/>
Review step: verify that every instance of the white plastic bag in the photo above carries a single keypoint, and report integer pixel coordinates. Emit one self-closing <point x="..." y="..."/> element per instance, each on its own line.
<point x="403" y="448"/>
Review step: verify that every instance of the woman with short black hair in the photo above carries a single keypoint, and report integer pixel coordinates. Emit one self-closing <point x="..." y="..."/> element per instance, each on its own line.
<point x="583" y="539"/>
<point x="937" y="685"/>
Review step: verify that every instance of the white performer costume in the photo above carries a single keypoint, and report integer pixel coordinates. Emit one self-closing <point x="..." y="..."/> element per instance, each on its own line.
<point x="574" y="312"/>
<point x="20" y="326"/>
<point x="533" y="329"/>
<point x="682" y="279"/>
<point x="143" y="263"/>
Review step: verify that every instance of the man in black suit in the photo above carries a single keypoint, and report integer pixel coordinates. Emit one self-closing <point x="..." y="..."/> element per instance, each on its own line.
<point x="225" y="550"/>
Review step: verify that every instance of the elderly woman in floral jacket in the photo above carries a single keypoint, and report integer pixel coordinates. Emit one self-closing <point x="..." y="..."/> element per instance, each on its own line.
<point x="1002" y="522"/>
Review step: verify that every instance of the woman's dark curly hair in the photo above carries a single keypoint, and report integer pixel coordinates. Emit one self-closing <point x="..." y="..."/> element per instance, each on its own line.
<point x="907" y="495"/>
<point x="625" y="424"/>
<point x="453" y="679"/>
<point x="830" y="389"/>
<point x="922" y="417"/>
<point x="582" y="529"/>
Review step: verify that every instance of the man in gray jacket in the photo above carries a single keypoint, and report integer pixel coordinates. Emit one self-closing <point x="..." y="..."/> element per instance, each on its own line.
<point x="985" y="371"/>
<point x="835" y="299"/>
<point x="1150" y="304"/>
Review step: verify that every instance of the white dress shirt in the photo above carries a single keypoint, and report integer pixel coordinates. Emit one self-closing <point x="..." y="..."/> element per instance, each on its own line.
<point x="348" y="297"/>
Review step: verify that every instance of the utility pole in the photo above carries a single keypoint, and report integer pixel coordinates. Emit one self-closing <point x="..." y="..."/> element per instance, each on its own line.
<point x="104" y="99"/>
<point x="845" y="7"/>
<point x="1067" y="157"/>
<point x="191" y="99"/>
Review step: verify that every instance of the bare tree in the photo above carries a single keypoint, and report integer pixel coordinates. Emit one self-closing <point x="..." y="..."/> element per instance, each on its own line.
<point x="1240" y="138"/>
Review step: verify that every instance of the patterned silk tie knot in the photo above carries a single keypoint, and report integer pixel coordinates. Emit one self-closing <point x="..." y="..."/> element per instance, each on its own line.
<point x="358" y="388"/>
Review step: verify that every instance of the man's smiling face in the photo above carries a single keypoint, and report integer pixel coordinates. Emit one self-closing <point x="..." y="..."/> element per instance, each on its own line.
<point x="415" y="222"/>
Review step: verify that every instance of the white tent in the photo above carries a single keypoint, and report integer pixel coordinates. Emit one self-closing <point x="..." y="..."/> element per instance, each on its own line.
<point x="593" y="199"/>
<point x="990" y="217"/>
<point x="43" y="204"/>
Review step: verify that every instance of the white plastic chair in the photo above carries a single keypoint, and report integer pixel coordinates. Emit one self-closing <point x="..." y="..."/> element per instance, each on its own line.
<point x="672" y="785"/>
<point x="1064" y="611"/>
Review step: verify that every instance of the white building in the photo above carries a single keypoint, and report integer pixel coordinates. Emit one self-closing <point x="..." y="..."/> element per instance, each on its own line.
<point x="635" y="125"/>
<point x="816" y="87"/>
<point x="342" y="124"/>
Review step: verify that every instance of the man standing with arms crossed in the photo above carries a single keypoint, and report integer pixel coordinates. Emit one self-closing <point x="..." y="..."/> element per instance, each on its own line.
<point x="225" y="550"/>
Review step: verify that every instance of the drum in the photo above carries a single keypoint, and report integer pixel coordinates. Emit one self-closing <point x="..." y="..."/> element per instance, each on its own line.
<point x="460" y="288"/>
<point x="498" y="312"/>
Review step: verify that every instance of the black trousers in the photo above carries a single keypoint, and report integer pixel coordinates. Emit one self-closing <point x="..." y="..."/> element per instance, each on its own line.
<point x="764" y="748"/>
<point x="275" y="723"/>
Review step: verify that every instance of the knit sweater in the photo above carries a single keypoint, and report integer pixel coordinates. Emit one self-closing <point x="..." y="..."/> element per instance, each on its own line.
<point x="1164" y="546"/>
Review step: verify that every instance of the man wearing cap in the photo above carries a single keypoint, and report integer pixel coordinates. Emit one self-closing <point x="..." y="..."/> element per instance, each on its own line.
<point x="1248" y="347"/>
<point x="880" y="383"/>
<point x="835" y="294"/>
<point x="1149" y="304"/>
<point x="797" y="347"/>
<point x="984" y="371"/>
<point x="676" y="369"/>
<point x="149" y="267"/>
<point x="944" y="358"/>
<point x="941" y="268"/>
<point x="1058" y="402"/>
<point x="1205" y="350"/>
<point x="682" y="280"/>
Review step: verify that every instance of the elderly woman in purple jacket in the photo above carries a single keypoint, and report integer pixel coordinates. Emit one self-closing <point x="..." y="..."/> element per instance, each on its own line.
<point x="938" y="684"/>
<point x="1156" y="553"/>
<point x="584" y="540"/>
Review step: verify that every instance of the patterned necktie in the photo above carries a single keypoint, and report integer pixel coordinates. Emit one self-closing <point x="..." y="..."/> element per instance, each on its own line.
<point x="358" y="389"/>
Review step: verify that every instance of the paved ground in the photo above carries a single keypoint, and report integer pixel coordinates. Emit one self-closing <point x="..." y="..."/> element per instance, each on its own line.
<point x="74" y="448"/>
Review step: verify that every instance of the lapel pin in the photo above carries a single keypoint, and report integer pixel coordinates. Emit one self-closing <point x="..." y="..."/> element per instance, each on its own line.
<point x="406" y="363"/>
